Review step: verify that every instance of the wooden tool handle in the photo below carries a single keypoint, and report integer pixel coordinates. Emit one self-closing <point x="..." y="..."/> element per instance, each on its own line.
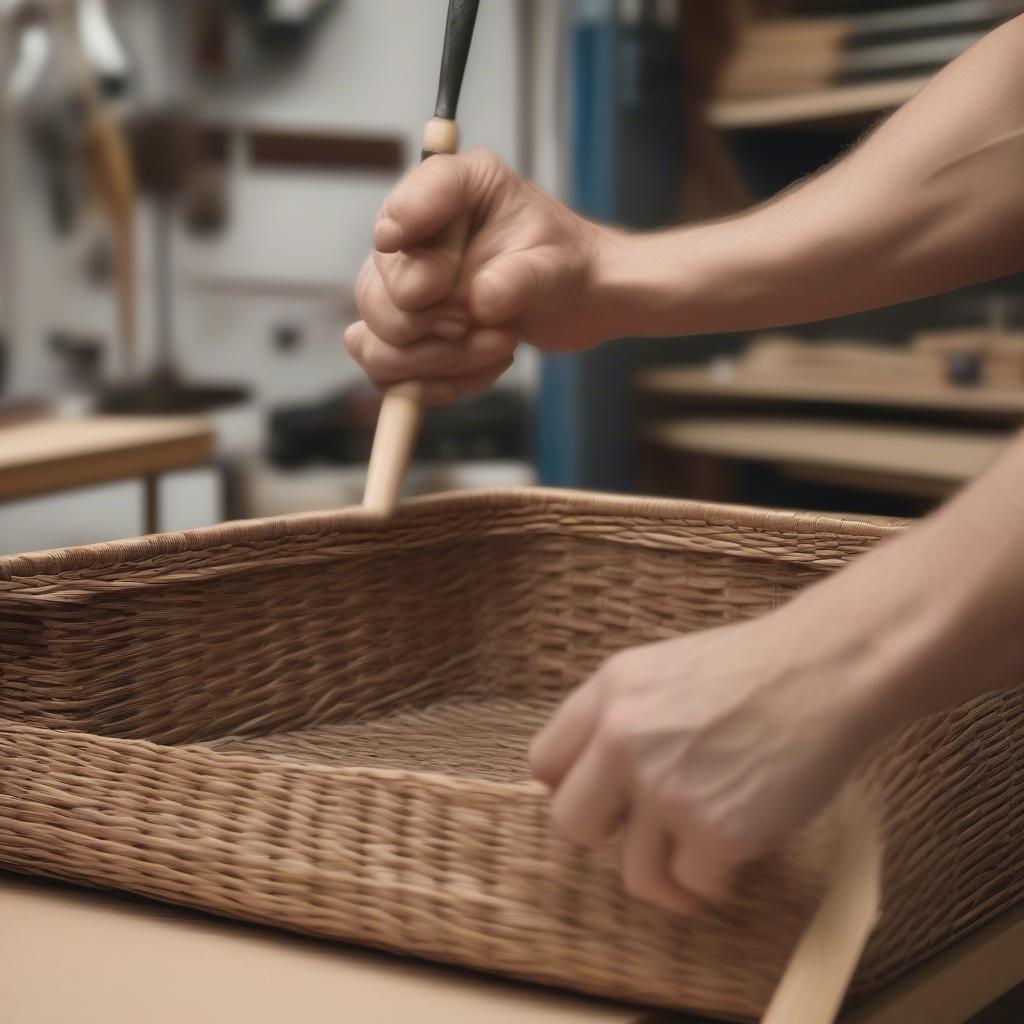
<point x="401" y="411"/>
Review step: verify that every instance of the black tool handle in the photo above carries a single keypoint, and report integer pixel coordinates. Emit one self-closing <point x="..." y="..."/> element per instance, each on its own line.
<point x="458" y="34"/>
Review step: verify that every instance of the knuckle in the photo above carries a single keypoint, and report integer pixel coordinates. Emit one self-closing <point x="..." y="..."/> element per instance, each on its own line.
<point x="615" y="673"/>
<point x="406" y="290"/>
<point x="615" y="732"/>
<point x="564" y="823"/>
<point x="352" y="339"/>
<point x="486" y="163"/>
<point x="637" y="884"/>
<point x="377" y="358"/>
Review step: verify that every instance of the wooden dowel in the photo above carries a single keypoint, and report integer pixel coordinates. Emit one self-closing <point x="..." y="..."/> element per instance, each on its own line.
<point x="401" y="411"/>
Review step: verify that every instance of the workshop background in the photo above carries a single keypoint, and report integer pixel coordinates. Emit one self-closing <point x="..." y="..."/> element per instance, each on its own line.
<point x="187" y="192"/>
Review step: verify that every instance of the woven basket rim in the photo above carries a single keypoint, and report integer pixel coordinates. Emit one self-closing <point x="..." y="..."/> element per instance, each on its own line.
<point x="59" y="561"/>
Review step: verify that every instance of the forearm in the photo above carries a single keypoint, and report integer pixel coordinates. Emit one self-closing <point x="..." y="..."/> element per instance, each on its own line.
<point x="935" y="617"/>
<point x="933" y="199"/>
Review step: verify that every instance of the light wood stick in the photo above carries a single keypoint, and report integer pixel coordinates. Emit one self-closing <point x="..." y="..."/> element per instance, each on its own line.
<point x="813" y="986"/>
<point x="401" y="411"/>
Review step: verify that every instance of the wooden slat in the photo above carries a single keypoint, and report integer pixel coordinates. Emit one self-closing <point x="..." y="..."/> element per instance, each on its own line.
<point x="956" y="984"/>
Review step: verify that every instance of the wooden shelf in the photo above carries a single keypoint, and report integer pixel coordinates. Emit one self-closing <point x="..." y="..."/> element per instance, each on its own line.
<point x="689" y="382"/>
<point x="920" y="461"/>
<point x="826" y="105"/>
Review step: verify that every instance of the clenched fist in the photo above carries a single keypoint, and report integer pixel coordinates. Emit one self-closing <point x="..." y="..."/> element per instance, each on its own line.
<point x="530" y="270"/>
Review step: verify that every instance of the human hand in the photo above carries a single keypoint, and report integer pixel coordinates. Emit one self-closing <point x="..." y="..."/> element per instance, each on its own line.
<point x="528" y="271"/>
<point x="706" y="750"/>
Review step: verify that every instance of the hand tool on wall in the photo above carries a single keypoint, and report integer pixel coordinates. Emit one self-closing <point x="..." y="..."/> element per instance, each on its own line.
<point x="25" y="53"/>
<point x="111" y="170"/>
<point x="102" y="49"/>
<point x="402" y="408"/>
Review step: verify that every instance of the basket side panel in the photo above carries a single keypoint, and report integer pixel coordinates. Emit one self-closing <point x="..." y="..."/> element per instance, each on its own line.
<point x="953" y="793"/>
<point x="254" y="652"/>
<point x="270" y="649"/>
<point x="564" y="603"/>
<point x="469" y="875"/>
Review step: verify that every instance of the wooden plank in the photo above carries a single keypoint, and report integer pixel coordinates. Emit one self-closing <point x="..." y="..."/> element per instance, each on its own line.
<point x="956" y="984"/>
<point x="57" y="454"/>
<point x="820" y="105"/>
<point x="683" y="382"/>
<point x="891" y="457"/>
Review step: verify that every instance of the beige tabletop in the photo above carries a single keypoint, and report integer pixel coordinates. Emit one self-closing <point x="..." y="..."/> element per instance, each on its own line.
<point x="56" y="453"/>
<point x="74" y="955"/>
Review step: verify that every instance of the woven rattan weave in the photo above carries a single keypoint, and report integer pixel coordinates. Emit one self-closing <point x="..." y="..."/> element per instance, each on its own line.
<point x="320" y="722"/>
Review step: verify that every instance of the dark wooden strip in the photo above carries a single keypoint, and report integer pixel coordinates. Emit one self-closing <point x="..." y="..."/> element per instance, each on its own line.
<point x="324" y="151"/>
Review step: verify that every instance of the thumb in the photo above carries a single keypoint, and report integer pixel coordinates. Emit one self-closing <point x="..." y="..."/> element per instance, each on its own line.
<point x="503" y="288"/>
<point x="431" y="196"/>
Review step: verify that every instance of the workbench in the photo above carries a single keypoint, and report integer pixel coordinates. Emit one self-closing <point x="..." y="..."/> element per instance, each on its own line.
<point x="102" y="958"/>
<point x="48" y="454"/>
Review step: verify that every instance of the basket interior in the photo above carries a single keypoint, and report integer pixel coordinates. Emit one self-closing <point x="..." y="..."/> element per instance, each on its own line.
<point x="466" y="738"/>
<point x="369" y="648"/>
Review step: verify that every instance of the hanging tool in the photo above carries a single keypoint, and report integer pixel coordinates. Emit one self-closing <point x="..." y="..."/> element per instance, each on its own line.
<point x="402" y="408"/>
<point x="112" y="172"/>
<point x="102" y="49"/>
<point x="26" y="53"/>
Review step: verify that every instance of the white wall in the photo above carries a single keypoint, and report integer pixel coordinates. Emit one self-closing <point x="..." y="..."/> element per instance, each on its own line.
<point x="374" y="69"/>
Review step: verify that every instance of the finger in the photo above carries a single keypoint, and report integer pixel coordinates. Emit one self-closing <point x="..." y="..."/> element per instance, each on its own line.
<point x="590" y="803"/>
<point x="399" y="327"/>
<point x="419" y="278"/>
<point x="433" y="195"/>
<point x="558" y="745"/>
<point x="502" y="289"/>
<point x="703" y="868"/>
<point x="388" y="364"/>
<point x="646" y="855"/>
<point x="461" y="365"/>
<point x="444" y="392"/>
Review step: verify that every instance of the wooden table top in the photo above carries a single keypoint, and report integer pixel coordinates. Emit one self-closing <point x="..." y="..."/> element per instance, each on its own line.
<point x="56" y="453"/>
<point x="101" y="958"/>
<point x="106" y="958"/>
<point x="682" y="381"/>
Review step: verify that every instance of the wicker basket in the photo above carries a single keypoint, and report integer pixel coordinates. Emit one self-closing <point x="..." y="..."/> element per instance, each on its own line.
<point x="320" y="722"/>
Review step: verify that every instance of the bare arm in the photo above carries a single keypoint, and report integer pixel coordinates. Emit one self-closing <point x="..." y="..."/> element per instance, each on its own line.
<point x="714" y="746"/>
<point x="931" y="200"/>
<point x="710" y="748"/>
